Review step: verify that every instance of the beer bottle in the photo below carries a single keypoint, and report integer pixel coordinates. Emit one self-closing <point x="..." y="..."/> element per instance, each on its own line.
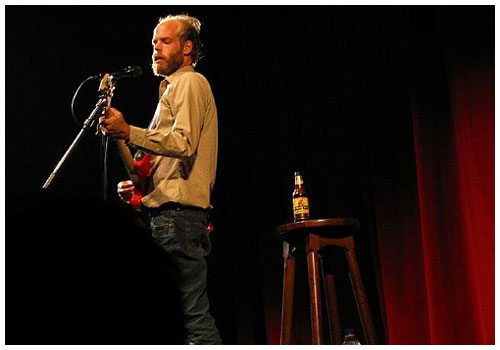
<point x="300" y="200"/>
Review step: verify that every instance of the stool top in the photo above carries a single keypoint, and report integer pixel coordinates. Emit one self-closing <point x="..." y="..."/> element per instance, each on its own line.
<point x="306" y="225"/>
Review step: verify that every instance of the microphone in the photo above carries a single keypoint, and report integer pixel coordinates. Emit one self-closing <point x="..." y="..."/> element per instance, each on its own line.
<point x="129" y="72"/>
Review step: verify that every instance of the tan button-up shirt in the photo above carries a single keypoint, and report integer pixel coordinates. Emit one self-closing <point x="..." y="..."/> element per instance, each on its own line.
<point x="183" y="140"/>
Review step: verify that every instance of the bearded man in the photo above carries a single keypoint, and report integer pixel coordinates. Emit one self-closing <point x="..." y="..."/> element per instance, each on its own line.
<point x="182" y="142"/>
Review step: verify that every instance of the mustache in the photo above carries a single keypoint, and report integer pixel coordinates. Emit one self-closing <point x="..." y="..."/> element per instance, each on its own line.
<point x="157" y="56"/>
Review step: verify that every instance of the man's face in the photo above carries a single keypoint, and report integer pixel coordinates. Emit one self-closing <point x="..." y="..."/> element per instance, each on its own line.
<point x="167" y="50"/>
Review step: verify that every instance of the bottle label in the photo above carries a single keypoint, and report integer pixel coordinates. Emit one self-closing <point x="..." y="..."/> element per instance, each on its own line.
<point x="301" y="208"/>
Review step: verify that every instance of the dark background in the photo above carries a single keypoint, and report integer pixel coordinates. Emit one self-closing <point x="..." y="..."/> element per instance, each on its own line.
<point x="324" y="90"/>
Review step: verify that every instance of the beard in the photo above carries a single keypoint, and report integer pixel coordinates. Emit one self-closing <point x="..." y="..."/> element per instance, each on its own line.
<point x="167" y="65"/>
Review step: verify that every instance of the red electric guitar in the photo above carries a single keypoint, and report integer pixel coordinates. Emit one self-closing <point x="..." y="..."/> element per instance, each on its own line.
<point x="138" y="167"/>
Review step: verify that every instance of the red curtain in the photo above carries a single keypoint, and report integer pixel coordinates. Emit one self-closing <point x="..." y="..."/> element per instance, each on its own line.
<point x="472" y="97"/>
<point x="455" y="176"/>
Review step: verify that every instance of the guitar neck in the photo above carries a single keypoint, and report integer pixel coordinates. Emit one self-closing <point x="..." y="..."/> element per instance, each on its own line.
<point x="108" y="88"/>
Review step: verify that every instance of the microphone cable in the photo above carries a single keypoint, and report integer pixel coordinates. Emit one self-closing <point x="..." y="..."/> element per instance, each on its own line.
<point x="129" y="72"/>
<point x="75" y="119"/>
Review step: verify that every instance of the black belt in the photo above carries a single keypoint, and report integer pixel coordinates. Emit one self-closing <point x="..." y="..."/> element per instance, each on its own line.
<point x="174" y="206"/>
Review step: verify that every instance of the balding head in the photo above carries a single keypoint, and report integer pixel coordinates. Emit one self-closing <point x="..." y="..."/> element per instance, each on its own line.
<point x="188" y="30"/>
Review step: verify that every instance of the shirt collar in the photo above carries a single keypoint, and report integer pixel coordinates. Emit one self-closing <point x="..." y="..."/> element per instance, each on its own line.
<point x="173" y="77"/>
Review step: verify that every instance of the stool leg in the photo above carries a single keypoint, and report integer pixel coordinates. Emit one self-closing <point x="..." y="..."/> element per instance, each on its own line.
<point x="312" y="248"/>
<point x="331" y="301"/>
<point x="287" y="298"/>
<point x="359" y="293"/>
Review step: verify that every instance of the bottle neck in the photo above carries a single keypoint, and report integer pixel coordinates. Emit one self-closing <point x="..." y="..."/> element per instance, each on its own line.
<point x="299" y="182"/>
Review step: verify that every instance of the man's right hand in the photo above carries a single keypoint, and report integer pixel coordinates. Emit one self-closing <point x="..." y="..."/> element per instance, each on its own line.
<point x="126" y="190"/>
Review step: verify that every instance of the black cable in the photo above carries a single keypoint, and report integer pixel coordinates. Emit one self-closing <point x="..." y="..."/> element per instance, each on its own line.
<point x="93" y="77"/>
<point x="103" y="139"/>
<point x="104" y="147"/>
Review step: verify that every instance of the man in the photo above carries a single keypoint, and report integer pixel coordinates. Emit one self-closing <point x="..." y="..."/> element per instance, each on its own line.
<point x="182" y="139"/>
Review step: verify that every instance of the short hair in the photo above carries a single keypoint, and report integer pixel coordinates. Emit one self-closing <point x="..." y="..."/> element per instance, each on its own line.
<point x="191" y="28"/>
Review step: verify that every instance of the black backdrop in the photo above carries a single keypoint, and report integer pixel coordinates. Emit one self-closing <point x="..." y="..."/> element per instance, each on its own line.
<point x="322" y="90"/>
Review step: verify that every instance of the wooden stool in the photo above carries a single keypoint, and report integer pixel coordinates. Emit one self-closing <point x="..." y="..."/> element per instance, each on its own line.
<point x="316" y="234"/>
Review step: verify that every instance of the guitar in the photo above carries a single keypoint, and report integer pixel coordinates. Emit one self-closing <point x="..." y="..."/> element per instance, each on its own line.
<point x="139" y="166"/>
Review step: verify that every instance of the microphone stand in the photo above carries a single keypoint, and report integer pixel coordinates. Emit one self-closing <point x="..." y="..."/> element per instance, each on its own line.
<point x="86" y="126"/>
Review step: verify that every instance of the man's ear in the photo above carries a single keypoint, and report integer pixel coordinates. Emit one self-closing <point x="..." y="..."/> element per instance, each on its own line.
<point x="188" y="48"/>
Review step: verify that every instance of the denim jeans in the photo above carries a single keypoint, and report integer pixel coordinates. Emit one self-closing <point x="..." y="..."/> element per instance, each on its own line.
<point x="184" y="236"/>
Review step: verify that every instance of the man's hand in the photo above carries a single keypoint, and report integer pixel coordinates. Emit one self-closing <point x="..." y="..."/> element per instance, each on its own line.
<point x="126" y="190"/>
<point x="114" y="125"/>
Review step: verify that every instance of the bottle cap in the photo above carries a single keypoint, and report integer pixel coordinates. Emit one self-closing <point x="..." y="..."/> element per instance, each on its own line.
<point x="348" y="331"/>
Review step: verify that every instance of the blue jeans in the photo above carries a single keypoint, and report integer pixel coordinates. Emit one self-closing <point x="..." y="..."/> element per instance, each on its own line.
<point x="184" y="236"/>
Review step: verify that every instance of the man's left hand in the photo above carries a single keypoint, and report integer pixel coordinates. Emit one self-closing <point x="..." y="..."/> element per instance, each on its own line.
<point x="114" y="125"/>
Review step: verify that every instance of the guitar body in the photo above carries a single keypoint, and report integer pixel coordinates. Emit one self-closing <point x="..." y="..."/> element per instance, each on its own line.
<point x="142" y="169"/>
